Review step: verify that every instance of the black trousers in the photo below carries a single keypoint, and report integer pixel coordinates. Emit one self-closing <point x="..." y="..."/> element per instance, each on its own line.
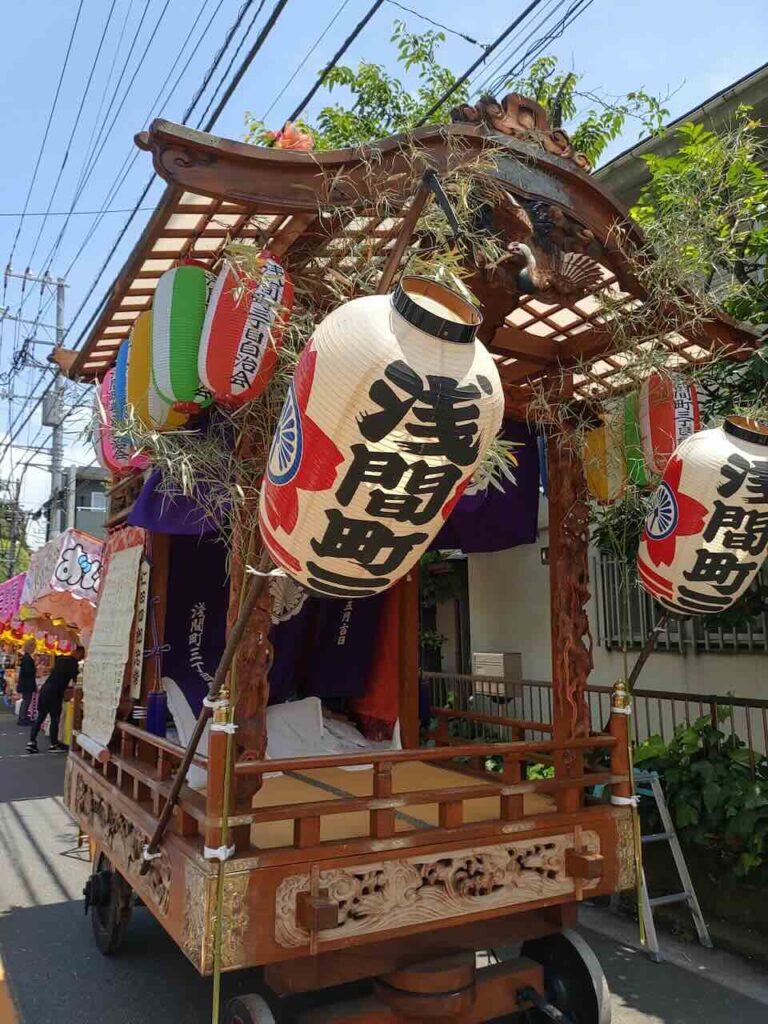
<point x="26" y="700"/>
<point x="48" y="704"/>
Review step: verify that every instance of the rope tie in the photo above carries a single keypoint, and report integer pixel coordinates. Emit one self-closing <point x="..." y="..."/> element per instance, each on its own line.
<point x="218" y="852"/>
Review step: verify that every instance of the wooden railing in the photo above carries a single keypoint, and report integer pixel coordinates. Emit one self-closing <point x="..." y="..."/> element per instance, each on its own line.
<point x="141" y="766"/>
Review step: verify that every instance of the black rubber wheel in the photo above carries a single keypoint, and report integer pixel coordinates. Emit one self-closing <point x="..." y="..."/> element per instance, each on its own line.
<point x="248" y="1010"/>
<point x="573" y="977"/>
<point x="111" y="912"/>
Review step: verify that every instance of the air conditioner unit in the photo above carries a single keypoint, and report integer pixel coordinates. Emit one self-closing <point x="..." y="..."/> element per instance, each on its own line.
<point x="502" y="671"/>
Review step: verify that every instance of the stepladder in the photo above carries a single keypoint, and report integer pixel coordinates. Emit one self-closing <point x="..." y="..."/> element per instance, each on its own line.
<point x="648" y="785"/>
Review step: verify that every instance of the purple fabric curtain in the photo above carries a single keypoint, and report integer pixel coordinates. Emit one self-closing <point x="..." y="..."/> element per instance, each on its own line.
<point x="196" y="615"/>
<point x="178" y="514"/>
<point x="496" y="519"/>
<point x="325" y="650"/>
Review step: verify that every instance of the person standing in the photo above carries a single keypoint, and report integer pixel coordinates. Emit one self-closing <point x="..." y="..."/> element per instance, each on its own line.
<point x="51" y="698"/>
<point x="26" y="683"/>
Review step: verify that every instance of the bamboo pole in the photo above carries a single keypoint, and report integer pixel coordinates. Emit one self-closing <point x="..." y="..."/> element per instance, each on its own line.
<point x="252" y="594"/>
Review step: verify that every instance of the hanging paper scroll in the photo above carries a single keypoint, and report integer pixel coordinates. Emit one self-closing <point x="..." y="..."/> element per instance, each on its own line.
<point x="707" y="533"/>
<point x="110" y="644"/>
<point x="243" y="330"/>
<point x="393" y="405"/>
<point x="668" y="412"/>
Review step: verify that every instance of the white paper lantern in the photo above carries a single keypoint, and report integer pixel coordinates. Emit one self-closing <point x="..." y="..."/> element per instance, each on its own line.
<point x="392" y="407"/>
<point x="707" y="534"/>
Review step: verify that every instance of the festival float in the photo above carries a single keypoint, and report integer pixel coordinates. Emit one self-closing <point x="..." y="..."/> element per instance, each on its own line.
<point x="250" y="762"/>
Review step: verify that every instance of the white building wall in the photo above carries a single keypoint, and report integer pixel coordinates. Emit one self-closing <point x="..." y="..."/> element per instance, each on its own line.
<point x="509" y="611"/>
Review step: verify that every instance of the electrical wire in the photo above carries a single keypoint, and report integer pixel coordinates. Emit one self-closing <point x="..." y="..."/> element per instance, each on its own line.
<point x="335" y="59"/>
<point x="45" y="135"/>
<point x="480" y="60"/>
<point x="438" y="24"/>
<point x="68" y="213"/>
<point x="339" y="11"/>
<point x="514" y="44"/>
<point x="75" y="125"/>
<point x="232" y="60"/>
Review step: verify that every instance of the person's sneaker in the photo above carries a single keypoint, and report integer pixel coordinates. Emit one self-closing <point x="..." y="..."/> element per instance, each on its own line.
<point x="58" y="746"/>
<point x="32" y="748"/>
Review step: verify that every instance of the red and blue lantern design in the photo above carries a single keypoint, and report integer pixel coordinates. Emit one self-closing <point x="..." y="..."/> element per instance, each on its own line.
<point x="706" y="535"/>
<point x="392" y="408"/>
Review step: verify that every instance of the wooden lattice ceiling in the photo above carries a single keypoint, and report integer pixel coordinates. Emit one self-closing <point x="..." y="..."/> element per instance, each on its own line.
<point x="220" y="191"/>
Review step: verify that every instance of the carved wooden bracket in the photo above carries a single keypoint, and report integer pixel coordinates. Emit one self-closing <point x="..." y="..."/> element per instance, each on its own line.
<point x="522" y="118"/>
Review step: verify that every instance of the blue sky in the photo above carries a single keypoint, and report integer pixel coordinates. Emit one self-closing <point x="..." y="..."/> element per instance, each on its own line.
<point x="687" y="48"/>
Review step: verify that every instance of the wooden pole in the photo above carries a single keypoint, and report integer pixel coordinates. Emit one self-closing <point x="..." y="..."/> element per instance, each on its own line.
<point x="404" y="236"/>
<point x="252" y="595"/>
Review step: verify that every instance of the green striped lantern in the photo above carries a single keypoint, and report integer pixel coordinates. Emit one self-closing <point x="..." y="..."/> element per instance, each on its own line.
<point x="178" y="313"/>
<point x="637" y="470"/>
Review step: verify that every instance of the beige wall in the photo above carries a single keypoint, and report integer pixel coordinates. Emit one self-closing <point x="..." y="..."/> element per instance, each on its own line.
<point x="509" y="611"/>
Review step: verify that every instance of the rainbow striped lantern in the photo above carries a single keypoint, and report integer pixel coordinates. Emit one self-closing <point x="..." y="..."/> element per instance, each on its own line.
<point x="668" y="412"/>
<point x="637" y="471"/>
<point x="706" y="535"/>
<point x="152" y="411"/>
<point x="243" y="331"/>
<point x="604" y="464"/>
<point x="124" y="453"/>
<point x="178" y="313"/>
<point x="393" y="405"/>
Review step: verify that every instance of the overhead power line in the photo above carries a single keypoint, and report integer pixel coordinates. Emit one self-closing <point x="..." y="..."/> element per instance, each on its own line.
<point x="232" y="59"/>
<point x="480" y="60"/>
<point x="47" y="130"/>
<point x="438" y="24"/>
<point x="335" y="59"/>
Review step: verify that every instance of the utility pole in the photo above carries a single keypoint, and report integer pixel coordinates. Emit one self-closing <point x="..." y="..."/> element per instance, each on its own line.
<point x="57" y="433"/>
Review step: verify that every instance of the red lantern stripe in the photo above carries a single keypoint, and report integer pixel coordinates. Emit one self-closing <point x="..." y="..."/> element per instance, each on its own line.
<point x="243" y="331"/>
<point x="652" y="579"/>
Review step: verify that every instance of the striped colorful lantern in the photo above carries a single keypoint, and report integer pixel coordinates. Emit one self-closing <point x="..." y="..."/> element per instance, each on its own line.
<point x="637" y="471"/>
<point x="125" y="451"/>
<point x="243" y="331"/>
<point x="668" y="412"/>
<point x="604" y="464"/>
<point x="706" y="535"/>
<point x="152" y="411"/>
<point x="392" y="408"/>
<point x="114" y="448"/>
<point x="178" y="313"/>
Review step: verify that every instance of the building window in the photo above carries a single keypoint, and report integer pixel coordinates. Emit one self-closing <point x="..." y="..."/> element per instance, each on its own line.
<point x="635" y="615"/>
<point x="98" y="501"/>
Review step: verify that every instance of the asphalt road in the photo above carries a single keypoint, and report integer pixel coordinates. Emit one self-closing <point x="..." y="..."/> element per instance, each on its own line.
<point x="56" y="975"/>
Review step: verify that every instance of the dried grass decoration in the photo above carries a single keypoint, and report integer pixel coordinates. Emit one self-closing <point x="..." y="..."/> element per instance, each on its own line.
<point x="706" y="535"/>
<point x="178" y="312"/>
<point x="145" y="405"/>
<point x="243" y="330"/>
<point x="393" y="406"/>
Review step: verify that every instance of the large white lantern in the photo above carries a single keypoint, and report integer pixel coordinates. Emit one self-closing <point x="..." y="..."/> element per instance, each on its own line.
<point x="707" y="533"/>
<point x="393" y="405"/>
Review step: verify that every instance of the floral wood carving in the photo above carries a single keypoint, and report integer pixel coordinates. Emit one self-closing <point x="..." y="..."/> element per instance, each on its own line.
<point x="522" y="118"/>
<point x="568" y="552"/>
<point x="625" y="852"/>
<point x="123" y="840"/>
<point x="403" y="893"/>
<point x="200" y="919"/>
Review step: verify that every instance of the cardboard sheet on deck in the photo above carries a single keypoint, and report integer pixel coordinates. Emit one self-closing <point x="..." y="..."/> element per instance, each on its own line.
<point x="330" y="783"/>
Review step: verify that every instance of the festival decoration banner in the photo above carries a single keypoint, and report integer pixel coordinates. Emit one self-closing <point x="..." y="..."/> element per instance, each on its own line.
<point x="63" y="580"/>
<point x="195" y="615"/>
<point x="10" y="598"/>
<point x="392" y="408"/>
<point x="707" y="534"/>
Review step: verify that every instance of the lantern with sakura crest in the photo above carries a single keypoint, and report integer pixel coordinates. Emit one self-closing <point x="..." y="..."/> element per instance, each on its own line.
<point x="668" y="412"/>
<point x="706" y="535"/>
<point x="393" y="406"/>
<point x="243" y="330"/>
<point x="178" y="313"/>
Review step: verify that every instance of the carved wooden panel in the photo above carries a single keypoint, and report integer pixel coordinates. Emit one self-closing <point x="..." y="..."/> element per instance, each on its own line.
<point x="122" y="840"/>
<point x="200" y="917"/>
<point x="625" y="852"/>
<point x="433" y="887"/>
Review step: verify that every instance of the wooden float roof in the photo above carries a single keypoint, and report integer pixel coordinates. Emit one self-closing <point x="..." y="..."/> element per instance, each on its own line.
<point x="220" y="190"/>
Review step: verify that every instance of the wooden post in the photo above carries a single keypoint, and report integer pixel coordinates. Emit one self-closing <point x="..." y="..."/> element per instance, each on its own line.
<point x="618" y="727"/>
<point x="408" y="697"/>
<point x="569" y="594"/>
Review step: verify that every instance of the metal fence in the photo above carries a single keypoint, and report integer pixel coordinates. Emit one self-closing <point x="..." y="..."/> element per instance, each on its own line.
<point x="641" y="613"/>
<point x="656" y="712"/>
